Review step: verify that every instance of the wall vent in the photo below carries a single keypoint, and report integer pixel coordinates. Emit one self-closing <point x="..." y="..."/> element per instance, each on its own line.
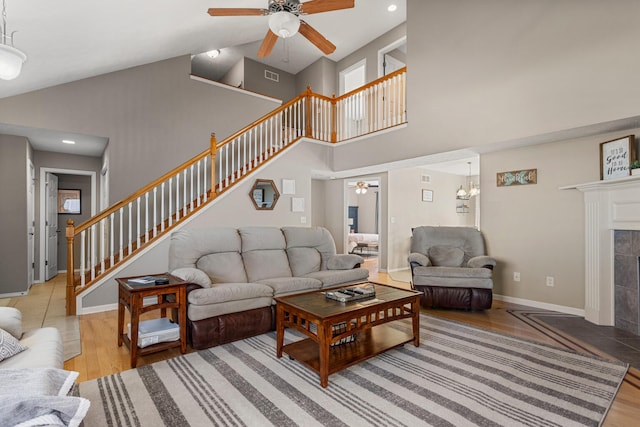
<point x="270" y="75"/>
<point x="425" y="179"/>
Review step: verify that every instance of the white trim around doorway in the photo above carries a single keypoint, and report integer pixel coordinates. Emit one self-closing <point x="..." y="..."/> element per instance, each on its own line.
<point x="42" y="215"/>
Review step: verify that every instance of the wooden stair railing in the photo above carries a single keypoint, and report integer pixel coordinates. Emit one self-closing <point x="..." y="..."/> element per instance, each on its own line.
<point x="102" y="243"/>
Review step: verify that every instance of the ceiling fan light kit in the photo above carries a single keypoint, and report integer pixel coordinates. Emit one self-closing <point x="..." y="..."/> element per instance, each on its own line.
<point x="11" y="59"/>
<point x="284" y="24"/>
<point x="284" y="21"/>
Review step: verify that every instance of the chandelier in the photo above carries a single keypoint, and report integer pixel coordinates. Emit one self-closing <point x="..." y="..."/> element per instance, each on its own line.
<point x="361" y="187"/>
<point x="472" y="189"/>
<point x="11" y="59"/>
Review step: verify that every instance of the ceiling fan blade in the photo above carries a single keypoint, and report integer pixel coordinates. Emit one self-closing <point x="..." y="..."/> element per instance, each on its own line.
<point x="237" y="11"/>
<point x="316" y="38"/>
<point x="267" y="44"/>
<point x="318" y="6"/>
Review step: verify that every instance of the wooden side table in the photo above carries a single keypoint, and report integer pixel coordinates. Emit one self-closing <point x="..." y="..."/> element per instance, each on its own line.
<point x="131" y="296"/>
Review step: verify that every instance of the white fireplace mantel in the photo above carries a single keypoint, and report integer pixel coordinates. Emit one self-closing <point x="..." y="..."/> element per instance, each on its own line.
<point x="608" y="205"/>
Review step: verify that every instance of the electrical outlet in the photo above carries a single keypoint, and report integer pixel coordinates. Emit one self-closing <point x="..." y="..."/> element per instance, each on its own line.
<point x="516" y="276"/>
<point x="303" y="220"/>
<point x="550" y="281"/>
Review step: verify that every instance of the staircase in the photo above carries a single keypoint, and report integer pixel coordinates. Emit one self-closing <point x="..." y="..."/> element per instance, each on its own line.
<point x="106" y="241"/>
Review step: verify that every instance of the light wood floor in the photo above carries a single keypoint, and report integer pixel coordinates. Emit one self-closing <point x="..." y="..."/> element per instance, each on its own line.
<point x="101" y="355"/>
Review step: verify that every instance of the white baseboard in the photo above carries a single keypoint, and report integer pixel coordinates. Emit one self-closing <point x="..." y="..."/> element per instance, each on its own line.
<point x="99" y="308"/>
<point x="541" y="305"/>
<point x="14" y="294"/>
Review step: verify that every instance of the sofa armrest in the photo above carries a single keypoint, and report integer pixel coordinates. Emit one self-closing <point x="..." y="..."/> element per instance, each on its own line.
<point x="344" y="262"/>
<point x="420" y="259"/>
<point x="193" y="275"/>
<point x="11" y="321"/>
<point x="482" y="261"/>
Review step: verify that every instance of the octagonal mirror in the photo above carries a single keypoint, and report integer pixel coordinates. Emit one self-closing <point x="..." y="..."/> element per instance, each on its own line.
<point x="264" y="194"/>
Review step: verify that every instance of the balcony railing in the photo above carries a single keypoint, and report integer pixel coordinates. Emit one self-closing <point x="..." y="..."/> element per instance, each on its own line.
<point x="105" y="241"/>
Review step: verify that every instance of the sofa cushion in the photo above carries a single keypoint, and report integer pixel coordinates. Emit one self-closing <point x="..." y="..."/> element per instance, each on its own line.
<point x="260" y="238"/>
<point x="304" y="260"/>
<point x="188" y="246"/>
<point x="227" y="298"/>
<point x="223" y="267"/>
<point x="446" y="256"/>
<point x="11" y="321"/>
<point x="225" y="292"/>
<point x="291" y="285"/>
<point x="331" y="278"/>
<point x="44" y="350"/>
<point x="9" y="345"/>
<point x="318" y="238"/>
<point x="266" y="264"/>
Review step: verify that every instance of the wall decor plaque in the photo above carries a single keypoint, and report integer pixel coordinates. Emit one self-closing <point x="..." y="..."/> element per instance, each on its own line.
<point x="519" y="177"/>
<point x="616" y="156"/>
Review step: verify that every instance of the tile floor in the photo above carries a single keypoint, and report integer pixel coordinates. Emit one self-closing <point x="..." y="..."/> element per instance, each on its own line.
<point x="45" y="306"/>
<point x="618" y="343"/>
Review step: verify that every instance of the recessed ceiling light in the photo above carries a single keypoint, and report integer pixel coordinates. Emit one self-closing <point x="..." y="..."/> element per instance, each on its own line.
<point x="68" y="141"/>
<point x="392" y="8"/>
<point x="213" y="53"/>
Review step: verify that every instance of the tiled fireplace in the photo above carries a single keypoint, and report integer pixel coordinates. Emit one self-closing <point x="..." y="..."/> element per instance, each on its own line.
<point x="626" y="280"/>
<point x="612" y="243"/>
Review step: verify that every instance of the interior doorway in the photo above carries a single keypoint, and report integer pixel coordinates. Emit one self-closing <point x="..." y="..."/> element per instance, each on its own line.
<point x="392" y="57"/>
<point x="363" y="212"/>
<point x="48" y="249"/>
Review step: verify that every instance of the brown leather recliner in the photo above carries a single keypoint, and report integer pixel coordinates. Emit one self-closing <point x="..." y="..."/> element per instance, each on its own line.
<point x="450" y="266"/>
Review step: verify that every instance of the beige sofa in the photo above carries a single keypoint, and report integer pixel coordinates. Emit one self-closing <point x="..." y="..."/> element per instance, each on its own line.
<point x="236" y="273"/>
<point x="44" y="345"/>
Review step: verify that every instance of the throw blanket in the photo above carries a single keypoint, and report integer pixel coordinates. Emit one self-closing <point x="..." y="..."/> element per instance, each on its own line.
<point x="38" y="396"/>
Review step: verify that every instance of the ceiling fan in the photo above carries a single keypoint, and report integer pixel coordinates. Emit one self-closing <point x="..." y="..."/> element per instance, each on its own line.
<point x="284" y="20"/>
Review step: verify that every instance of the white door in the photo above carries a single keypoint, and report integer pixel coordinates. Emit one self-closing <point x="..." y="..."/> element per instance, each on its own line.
<point x="51" y="226"/>
<point x="31" y="222"/>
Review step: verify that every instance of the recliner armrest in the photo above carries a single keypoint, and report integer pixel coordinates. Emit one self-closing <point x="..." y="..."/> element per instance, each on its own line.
<point x="344" y="262"/>
<point x="482" y="261"/>
<point x="420" y="259"/>
<point x="193" y="275"/>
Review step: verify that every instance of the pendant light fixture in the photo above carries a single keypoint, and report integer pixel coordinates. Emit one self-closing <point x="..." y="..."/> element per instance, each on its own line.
<point x="361" y="187"/>
<point x="11" y="59"/>
<point x="472" y="190"/>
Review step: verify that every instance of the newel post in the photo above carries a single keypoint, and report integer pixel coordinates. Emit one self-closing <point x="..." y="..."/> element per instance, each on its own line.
<point x="213" y="149"/>
<point x="334" y="119"/>
<point x="71" y="291"/>
<point x="308" y="130"/>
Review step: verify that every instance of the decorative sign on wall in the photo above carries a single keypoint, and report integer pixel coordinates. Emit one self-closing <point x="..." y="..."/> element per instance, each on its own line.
<point x="427" y="195"/>
<point x="616" y="156"/>
<point x="521" y="177"/>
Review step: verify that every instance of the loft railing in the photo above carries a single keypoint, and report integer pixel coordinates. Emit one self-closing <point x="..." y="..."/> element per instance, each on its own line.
<point x="99" y="245"/>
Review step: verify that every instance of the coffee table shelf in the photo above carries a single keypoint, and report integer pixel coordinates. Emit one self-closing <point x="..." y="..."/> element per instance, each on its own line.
<point x="368" y="344"/>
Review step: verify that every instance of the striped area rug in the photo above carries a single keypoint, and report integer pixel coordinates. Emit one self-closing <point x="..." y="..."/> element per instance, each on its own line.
<point x="459" y="376"/>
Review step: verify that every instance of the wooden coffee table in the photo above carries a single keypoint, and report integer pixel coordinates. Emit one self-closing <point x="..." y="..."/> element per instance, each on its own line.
<point x="316" y="316"/>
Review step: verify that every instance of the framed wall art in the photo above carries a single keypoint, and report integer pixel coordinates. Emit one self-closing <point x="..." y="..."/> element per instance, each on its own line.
<point x="520" y="177"/>
<point x="616" y="156"/>
<point x="427" y="195"/>
<point x="69" y="202"/>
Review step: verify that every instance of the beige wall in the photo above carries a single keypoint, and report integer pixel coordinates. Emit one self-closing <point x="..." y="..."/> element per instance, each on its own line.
<point x="538" y="230"/>
<point x="154" y="115"/>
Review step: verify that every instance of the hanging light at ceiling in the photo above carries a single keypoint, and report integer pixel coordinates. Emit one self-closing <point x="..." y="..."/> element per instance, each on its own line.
<point x="361" y="187"/>
<point x="284" y="24"/>
<point x="213" y="53"/>
<point x="11" y="59"/>
<point x="472" y="190"/>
